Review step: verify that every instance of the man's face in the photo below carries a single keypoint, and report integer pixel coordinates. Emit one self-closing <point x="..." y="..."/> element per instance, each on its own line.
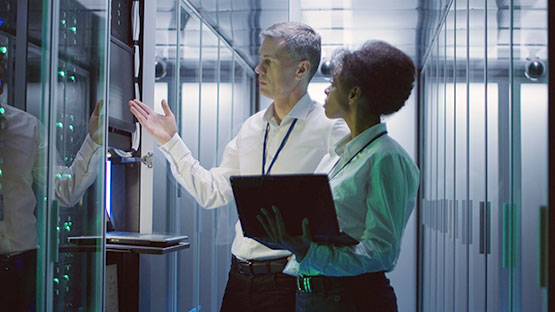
<point x="276" y="71"/>
<point x="337" y="100"/>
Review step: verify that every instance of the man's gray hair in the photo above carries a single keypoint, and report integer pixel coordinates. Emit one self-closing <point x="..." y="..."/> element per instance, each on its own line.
<point x="302" y="42"/>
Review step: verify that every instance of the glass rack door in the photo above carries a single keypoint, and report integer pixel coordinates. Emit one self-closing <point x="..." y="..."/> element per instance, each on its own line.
<point x="74" y="88"/>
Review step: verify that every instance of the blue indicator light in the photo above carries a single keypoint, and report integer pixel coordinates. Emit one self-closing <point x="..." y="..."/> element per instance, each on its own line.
<point x="1" y="21"/>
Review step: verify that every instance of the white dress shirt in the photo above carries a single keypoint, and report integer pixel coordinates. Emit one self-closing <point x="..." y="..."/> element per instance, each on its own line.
<point x="21" y="148"/>
<point x="313" y="136"/>
<point x="374" y="189"/>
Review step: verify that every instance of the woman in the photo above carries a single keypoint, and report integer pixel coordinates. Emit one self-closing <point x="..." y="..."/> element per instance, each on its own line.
<point x="374" y="184"/>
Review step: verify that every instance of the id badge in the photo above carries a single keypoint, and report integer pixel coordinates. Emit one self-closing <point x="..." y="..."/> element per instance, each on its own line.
<point x="1" y="207"/>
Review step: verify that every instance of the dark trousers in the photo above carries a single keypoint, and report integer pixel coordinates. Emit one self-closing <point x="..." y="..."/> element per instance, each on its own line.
<point x="365" y="292"/>
<point x="259" y="292"/>
<point x="17" y="282"/>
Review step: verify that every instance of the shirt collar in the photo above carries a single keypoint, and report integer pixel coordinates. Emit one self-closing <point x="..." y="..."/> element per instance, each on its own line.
<point x="299" y="111"/>
<point x="346" y="149"/>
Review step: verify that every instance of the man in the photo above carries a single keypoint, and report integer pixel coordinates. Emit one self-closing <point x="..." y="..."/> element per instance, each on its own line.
<point x="21" y="152"/>
<point x="290" y="136"/>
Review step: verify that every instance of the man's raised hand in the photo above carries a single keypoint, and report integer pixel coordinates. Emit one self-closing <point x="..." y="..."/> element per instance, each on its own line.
<point x="161" y="127"/>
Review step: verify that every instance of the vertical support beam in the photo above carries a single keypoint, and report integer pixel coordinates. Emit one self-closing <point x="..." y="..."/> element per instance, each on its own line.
<point x="147" y="142"/>
<point x="20" y="81"/>
<point x="148" y="33"/>
<point x="52" y="37"/>
<point x="294" y="10"/>
<point x="551" y="155"/>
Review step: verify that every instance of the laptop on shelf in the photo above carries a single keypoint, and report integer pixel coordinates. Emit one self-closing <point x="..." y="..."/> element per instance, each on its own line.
<point x="144" y="239"/>
<point x="130" y="238"/>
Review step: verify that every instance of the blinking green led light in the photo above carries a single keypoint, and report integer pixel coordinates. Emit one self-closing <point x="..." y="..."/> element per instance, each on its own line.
<point x="62" y="73"/>
<point x="0" y="172"/>
<point x="58" y="228"/>
<point x="66" y="277"/>
<point x="67" y="228"/>
<point x="70" y="127"/>
<point x="59" y="124"/>
<point x="63" y="21"/>
<point x="71" y="117"/>
<point x="72" y="77"/>
<point x="2" y="110"/>
<point x="67" y="175"/>
<point x="59" y="176"/>
<point x="73" y="28"/>
<point x="3" y="49"/>
<point x="56" y="280"/>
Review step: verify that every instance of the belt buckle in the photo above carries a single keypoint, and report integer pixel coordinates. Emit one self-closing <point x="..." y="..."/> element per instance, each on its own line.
<point x="303" y="284"/>
<point x="245" y="267"/>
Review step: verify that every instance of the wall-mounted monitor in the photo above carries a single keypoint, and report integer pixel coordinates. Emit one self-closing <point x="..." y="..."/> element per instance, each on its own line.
<point x="121" y="121"/>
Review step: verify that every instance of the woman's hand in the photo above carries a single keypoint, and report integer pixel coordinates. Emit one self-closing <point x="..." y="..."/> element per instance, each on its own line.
<point x="278" y="236"/>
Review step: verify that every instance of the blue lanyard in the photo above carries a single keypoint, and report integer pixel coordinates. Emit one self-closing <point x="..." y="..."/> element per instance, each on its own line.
<point x="345" y="165"/>
<point x="278" y="150"/>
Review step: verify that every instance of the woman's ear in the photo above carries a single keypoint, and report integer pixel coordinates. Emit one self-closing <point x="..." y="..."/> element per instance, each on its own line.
<point x="354" y="94"/>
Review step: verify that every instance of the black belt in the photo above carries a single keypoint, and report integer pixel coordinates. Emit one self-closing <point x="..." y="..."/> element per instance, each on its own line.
<point x="15" y="261"/>
<point x="13" y="257"/>
<point x="251" y="267"/>
<point x="322" y="284"/>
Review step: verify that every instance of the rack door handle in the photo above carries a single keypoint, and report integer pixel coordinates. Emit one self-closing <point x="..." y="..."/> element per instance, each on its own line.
<point x="482" y="227"/>
<point x="464" y="226"/>
<point x="456" y="218"/>
<point x="469" y="210"/>
<point x="445" y="216"/>
<point x="485" y="232"/>
<point x="543" y="261"/>
<point x="505" y="218"/>
<point x="54" y="233"/>
<point x="488" y="227"/>
<point x="507" y="235"/>
<point x="451" y="219"/>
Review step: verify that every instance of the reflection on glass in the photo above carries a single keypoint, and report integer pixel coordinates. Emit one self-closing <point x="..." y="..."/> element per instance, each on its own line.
<point x="49" y="162"/>
<point x="79" y="88"/>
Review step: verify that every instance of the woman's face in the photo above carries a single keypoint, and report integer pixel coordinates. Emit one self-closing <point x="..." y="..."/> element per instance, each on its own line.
<point x="337" y="100"/>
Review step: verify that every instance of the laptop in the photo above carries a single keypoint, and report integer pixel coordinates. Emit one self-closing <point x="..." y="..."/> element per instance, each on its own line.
<point x="297" y="196"/>
<point x="129" y="238"/>
<point x="143" y="239"/>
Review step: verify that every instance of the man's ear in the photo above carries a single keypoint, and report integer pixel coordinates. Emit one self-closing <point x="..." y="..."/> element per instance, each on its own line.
<point x="354" y="94"/>
<point x="303" y="68"/>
